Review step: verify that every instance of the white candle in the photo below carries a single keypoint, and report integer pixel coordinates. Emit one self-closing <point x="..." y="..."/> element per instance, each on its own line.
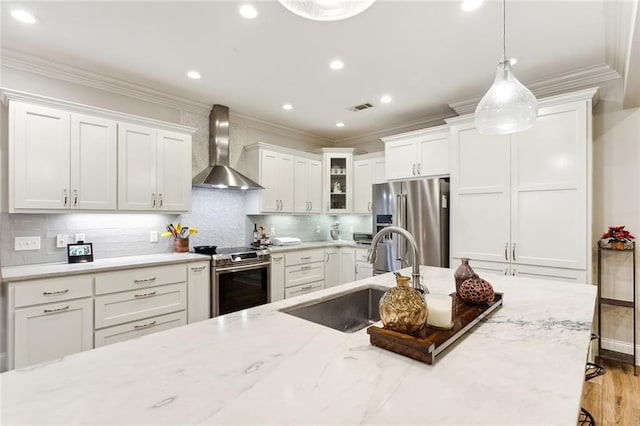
<point x="440" y="310"/>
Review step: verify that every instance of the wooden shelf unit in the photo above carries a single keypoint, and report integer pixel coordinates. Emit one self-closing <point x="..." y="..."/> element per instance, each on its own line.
<point x="607" y="353"/>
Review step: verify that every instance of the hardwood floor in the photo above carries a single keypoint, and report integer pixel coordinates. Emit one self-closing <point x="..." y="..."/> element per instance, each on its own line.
<point x="614" y="398"/>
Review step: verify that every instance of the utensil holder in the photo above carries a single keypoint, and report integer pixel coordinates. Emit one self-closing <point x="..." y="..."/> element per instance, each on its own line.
<point x="180" y="245"/>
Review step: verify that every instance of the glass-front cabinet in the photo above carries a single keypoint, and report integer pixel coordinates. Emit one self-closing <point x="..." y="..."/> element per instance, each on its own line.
<point x="338" y="180"/>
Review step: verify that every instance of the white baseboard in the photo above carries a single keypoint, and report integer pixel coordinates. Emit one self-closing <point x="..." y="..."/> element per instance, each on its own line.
<point x="619" y="346"/>
<point x="3" y="362"/>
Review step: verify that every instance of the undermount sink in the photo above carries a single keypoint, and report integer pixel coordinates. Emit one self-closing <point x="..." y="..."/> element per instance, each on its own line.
<point x="347" y="312"/>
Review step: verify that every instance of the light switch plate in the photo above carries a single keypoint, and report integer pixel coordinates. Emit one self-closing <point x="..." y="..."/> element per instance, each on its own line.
<point x="62" y="240"/>
<point x="81" y="237"/>
<point x="153" y="236"/>
<point x="27" y="243"/>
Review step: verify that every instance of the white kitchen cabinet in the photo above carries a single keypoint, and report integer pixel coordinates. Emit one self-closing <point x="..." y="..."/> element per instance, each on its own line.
<point x="154" y="169"/>
<point x="277" y="276"/>
<point x="364" y="269"/>
<point x="338" y="181"/>
<point x="332" y="267"/>
<point x="60" y="160"/>
<point x="307" y="185"/>
<point x="524" y="199"/>
<point x="367" y="170"/>
<point x="483" y="269"/>
<point x="198" y="291"/>
<point x="347" y="264"/>
<point x="304" y="271"/>
<point x="421" y="153"/>
<point x="275" y="171"/>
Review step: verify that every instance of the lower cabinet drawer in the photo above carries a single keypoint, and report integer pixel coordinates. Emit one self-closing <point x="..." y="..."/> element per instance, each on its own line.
<point x="119" y="308"/>
<point x="302" y="274"/>
<point x="134" y="279"/>
<point x="52" y="290"/>
<point x="124" y="332"/>
<point x="303" y="289"/>
<point x="303" y="257"/>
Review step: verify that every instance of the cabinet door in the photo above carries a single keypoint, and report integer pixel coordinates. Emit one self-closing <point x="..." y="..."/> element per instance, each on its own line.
<point x="173" y="171"/>
<point x="198" y="291"/>
<point x="549" y="190"/>
<point x="46" y="332"/>
<point x="269" y="179"/>
<point x="347" y="265"/>
<point x="277" y="277"/>
<point x="362" y="181"/>
<point x="94" y="148"/>
<point x="314" y="186"/>
<point x="331" y="268"/>
<point x="137" y="155"/>
<point x="379" y="170"/>
<point x="363" y="270"/>
<point x="433" y="155"/>
<point x="300" y="180"/>
<point x="400" y="159"/>
<point x="286" y="182"/>
<point x="39" y="157"/>
<point x="480" y="195"/>
<point x="338" y="183"/>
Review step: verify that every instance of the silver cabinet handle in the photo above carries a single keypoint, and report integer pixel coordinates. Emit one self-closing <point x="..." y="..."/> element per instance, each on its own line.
<point x="161" y="200"/>
<point x="305" y="268"/>
<point x="145" y="280"/>
<point x="310" y="205"/>
<point x="75" y="198"/>
<point x="419" y="172"/>
<point x="65" y="194"/>
<point x="198" y="268"/>
<point x="53" y="293"/>
<point x="49" y="311"/>
<point x="513" y="252"/>
<point x="277" y="259"/>
<point x="305" y="258"/>
<point x="151" y="293"/>
<point x="309" y="287"/>
<point x="413" y="169"/>
<point x="149" y="324"/>
<point x="369" y="206"/>
<point x="506" y="247"/>
<point x="153" y="200"/>
<point x="327" y="257"/>
<point x="357" y="268"/>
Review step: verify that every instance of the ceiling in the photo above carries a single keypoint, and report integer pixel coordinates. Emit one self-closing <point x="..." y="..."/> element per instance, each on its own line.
<point x="425" y="54"/>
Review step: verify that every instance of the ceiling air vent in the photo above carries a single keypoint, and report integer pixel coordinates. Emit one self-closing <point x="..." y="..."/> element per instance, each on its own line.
<point x="360" y="107"/>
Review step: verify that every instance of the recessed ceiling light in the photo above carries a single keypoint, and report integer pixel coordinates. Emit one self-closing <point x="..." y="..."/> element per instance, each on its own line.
<point x="469" y="5"/>
<point x="385" y="99"/>
<point x="287" y="106"/>
<point x="194" y="75"/>
<point x="340" y="124"/>
<point x="336" y="64"/>
<point x="23" y="16"/>
<point x="248" y="11"/>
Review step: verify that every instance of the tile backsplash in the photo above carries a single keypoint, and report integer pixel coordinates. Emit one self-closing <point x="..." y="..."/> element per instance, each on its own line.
<point x="306" y="227"/>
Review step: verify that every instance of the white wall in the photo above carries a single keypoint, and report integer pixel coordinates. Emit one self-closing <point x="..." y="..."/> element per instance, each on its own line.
<point x="616" y="201"/>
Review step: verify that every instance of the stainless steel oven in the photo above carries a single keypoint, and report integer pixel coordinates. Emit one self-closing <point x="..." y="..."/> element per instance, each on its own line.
<point x="240" y="279"/>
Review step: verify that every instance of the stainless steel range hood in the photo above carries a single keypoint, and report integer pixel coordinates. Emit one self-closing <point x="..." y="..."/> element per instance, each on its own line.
<point x="219" y="174"/>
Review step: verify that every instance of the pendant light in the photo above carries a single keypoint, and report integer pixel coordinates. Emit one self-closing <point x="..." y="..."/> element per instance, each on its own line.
<point x="326" y="10"/>
<point x="508" y="106"/>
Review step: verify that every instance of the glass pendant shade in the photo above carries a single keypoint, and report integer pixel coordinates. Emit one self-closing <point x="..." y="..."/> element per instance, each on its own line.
<point x="507" y="107"/>
<point x="326" y="10"/>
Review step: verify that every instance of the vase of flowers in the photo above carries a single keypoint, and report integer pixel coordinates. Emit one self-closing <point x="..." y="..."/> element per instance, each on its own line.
<point x="180" y="236"/>
<point x="617" y="237"/>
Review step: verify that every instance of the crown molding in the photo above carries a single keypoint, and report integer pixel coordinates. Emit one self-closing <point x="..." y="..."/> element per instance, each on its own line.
<point x="278" y="129"/>
<point x="559" y="84"/>
<point x="32" y="64"/>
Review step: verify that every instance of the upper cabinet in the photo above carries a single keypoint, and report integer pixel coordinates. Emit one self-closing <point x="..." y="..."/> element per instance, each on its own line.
<point x="292" y="182"/>
<point x="69" y="157"/>
<point x="367" y="170"/>
<point x="154" y="168"/>
<point x="524" y="199"/>
<point x="421" y="153"/>
<point x="338" y="187"/>
<point x="60" y="160"/>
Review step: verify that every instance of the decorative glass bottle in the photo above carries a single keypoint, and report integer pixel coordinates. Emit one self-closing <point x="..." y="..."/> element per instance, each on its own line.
<point x="402" y="308"/>
<point x="463" y="273"/>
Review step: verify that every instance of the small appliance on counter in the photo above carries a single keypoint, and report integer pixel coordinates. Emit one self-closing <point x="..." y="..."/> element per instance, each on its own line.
<point x="335" y="231"/>
<point x="362" y="238"/>
<point x="285" y="241"/>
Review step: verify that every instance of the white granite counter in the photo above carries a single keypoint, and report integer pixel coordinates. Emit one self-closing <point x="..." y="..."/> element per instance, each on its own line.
<point x="316" y="244"/>
<point x="524" y="365"/>
<point x="47" y="270"/>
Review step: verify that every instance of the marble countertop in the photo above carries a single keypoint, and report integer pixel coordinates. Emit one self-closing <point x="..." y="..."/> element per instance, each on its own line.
<point x="49" y="270"/>
<point x="524" y="364"/>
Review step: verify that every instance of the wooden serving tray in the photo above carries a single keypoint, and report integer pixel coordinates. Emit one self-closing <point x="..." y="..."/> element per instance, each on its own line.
<point x="432" y="341"/>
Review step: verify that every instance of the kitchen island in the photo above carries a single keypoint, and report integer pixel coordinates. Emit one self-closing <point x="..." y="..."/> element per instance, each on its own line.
<point x="523" y="365"/>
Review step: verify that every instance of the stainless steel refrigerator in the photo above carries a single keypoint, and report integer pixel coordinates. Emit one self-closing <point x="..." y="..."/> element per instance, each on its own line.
<point x="422" y="208"/>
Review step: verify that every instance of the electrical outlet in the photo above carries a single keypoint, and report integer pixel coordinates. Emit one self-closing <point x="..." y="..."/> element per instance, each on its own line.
<point x="62" y="240"/>
<point x="153" y="236"/>
<point x="27" y="243"/>
<point x="81" y="237"/>
<point x="318" y="229"/>
<point x="273" y="231"/>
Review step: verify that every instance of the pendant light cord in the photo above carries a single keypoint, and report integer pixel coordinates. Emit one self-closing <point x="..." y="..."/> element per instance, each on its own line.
<point x="504" y="31"/>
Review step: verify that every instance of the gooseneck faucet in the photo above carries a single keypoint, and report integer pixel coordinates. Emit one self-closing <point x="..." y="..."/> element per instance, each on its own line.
<point x="373" y="253"/>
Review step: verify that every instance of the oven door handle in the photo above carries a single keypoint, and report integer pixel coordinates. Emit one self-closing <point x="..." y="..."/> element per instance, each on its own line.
<point x="241" y="267"/>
